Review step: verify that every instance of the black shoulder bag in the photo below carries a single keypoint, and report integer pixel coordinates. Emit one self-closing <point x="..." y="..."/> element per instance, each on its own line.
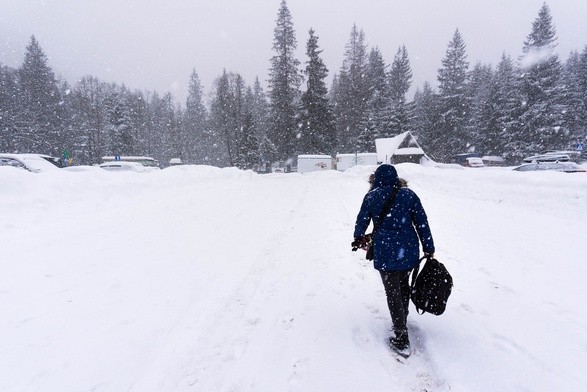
<point x="431" y="287"/>
<point x="384" y="212"/>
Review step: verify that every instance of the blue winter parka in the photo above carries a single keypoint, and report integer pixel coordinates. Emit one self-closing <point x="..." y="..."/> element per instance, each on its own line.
<point x="395" y="242"/>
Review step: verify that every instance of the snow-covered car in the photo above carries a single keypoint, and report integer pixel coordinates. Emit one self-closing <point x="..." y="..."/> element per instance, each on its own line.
<point x="574" y="155"/>
<point x="83" y="168"/>
<point x="54" y="160"/>
<point x="32" y="162"/>
<point x="149" y="163"/>
<point x="474" y="162"/>
<point x="548" y="157"/>
<point x="567" y="167"/>
<point x="123" y="166"/>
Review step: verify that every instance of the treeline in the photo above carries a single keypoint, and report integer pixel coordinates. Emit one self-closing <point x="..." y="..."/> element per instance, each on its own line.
<point x="522" y="106"/>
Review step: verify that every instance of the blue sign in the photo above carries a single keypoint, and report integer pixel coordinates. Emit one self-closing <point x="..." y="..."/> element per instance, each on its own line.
<point x="580" y="146"/>
<point x="117" y="157"/>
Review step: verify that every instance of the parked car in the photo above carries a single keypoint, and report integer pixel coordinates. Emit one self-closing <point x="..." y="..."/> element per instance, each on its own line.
<point x="54" y="160"/>
<point x="474" y="162"/>
<point x="83" y="168"/>
<point x="123" y="166"/>
<point x="548" y="157"/>
<point x="574" y="155"/>
<point x="32" y="162"/>
<point x="493" y="160"/>
<point x="461" y="159"/>
<point x="148" y="163"/>
<point x="567" y="167"/>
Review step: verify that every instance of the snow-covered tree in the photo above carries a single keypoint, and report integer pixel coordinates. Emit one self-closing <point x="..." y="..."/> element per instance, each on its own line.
<point x="400" y="81"/>
<point x="454" y="105"/>
<point x="248" y="144"/>
<point x="120" y="131"/>
<point x="352" y="92"/>
<point x="376" y="118"/>
<point x="574" y="98"/>
<point x="259" y="107"/>
<point x="222" y="121"/>
<point x="233" y="122"/>
<point x="482" y="118"/>
<point x="426" y="119"/>
<point x="506" y="101"/>
<point x="542" y="118"/>
<point x="197" y="137"/>
<point x="40" y="123"/>
<point x="284" y="83"/>
<point x="9" y="109"/>
<point x="317" y="132"/>
<point x="582" y="77"/>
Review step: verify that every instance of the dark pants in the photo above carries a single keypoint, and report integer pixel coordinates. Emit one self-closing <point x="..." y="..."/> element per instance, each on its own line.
<point x="397" y="290"/>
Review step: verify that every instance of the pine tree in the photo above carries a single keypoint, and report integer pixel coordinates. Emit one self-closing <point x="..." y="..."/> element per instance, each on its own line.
<point x="400" y="80"/>
<point x="139" y="116"/>
<point x="574" y="98"/>
<point x="582" y="76"/>
<point x="89" y="119"/>
<point x="482" y="119"/>
<point x="248" y="146"/>
<point x="9" y="109"/>
<point x="542" y="122"/>
<point x="198" y="140"/>
<point x="71" y="142"/>
<point x="221" y="109"/>
<point x="503" y="139"/>
<point x="284" y="82"/>
<point x="169" y="124"/>
<point x="454" y="106"/>
<point x="40" y="120"/>
<point x="317" y="127"/>
<point x="426" y="119"/>
<point x="120" y="132"/>
<point x="259" y="108"/>
<point x="352" y="92"/>
<point x="229" y="110"/>
<point x="156" y="138"/>
<point x="376" y="118"/>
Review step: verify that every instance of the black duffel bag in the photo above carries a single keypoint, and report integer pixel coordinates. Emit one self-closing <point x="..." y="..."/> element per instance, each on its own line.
<point x="431" y="287"/>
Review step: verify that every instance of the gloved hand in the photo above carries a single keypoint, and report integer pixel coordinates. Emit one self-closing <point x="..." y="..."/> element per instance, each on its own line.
<point x="360" y="242"/>
<point x="429" y="255"/>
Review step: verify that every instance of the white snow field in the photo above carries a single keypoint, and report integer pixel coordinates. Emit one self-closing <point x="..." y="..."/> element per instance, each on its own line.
<point x="196" y="278"/>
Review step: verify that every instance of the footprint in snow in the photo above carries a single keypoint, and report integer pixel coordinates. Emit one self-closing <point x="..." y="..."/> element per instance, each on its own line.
<point x="287" y="322"/>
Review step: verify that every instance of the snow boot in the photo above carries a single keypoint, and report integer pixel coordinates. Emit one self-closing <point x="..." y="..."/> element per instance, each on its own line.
<point x="400" y="344"/>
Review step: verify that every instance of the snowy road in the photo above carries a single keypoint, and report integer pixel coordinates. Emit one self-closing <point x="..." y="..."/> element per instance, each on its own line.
<point x="201" y="279"/>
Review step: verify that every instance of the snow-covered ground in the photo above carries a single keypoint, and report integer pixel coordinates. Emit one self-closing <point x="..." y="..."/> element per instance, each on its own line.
<point x="205" y="279"/>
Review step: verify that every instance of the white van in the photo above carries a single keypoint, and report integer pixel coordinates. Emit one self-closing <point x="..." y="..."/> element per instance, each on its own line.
<point x="149" y="163"/>
<point x="474" y="162"/>
<point x="310" y="163"/>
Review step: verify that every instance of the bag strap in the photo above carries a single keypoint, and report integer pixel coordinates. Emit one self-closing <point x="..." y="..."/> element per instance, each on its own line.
<point x="415" y="272"/>
<point x="416" y="269"/>
<point x="386" y="208"/>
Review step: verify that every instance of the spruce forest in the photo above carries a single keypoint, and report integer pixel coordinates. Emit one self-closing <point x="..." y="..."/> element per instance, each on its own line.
<point x="513" y="109"/>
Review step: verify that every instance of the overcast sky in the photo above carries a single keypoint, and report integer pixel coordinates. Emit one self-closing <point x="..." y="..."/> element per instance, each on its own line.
<point x="154" y="44"/>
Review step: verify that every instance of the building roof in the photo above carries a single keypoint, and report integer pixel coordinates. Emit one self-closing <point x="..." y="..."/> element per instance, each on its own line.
<point x="402" y="144"/>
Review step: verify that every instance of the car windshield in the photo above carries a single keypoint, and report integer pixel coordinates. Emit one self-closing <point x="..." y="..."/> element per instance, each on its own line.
<point x="37" y="163"/>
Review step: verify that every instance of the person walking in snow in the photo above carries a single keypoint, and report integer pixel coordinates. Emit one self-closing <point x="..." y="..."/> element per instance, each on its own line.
<point x="395" y="243"/>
